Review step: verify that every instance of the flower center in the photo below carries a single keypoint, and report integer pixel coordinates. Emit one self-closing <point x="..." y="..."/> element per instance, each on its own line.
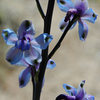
<point x="23" y="44"/>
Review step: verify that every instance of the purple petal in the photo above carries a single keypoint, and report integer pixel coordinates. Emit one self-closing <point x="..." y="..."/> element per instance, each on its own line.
<point x="14" y="55"/>
<point x="9" y="36"/>
<point x="43" y="40"/>
<point x="70" y="89"/>
<point x="65" y="5"/>
<point x="25" y="28"/>
<point x="65" y="97"/>
<point x="23" y="45"/>
<point x="80" y="92"/>
<point x="24" y="77"/>
<point x="51" y="64"/>
<point x="90" y="16"/>
<point x="83" y="30"/>
<point x="81" y="6"/>
<point x="89" y="97"/>
<point x="32" y="55"/>
<point x="25" y="42"/>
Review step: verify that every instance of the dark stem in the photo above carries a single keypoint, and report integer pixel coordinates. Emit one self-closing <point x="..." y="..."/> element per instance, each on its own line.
<point x="62" y="37"/>
<point x="40" y="9"/>
<point x="47" y="27"/>
<point x="33" y="72"/>
<point x="34" y="88"/>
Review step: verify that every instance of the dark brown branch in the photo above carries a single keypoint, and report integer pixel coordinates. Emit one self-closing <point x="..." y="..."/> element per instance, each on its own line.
<point x="40" y="9"/>
<point x="62" y="37"/>
<point x="47" y="28"/>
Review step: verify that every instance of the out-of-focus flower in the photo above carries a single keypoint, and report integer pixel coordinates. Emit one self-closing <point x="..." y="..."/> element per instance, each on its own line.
<point x="25" y="45"/>
<point x="80" y="9"/>
<point x="25" y="74"/>
<point x="75" y="94"/>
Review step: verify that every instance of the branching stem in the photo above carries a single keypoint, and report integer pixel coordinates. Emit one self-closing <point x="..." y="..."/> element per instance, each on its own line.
<point x="47" y="28"/>
<point x="40" y="9"/>
<point x="62" y="37"/>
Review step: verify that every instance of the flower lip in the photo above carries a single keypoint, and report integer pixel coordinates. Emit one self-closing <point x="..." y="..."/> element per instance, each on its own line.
<point x="23" y="45"/>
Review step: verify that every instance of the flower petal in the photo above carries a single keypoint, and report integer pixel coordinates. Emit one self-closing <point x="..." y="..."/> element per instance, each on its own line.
<point x="32" y="55"/>
<point x="23" y="45"/>
<point x="83" y="30"/>
<point x="14" y="55"/>
<point x="90" y="16"/>
<point x="65" y="97"/>
<point x="34" y="43"/>
<point x="43" y="40"/>
<point x="81" y="6"/>
<point x="70" y="89"/>
<point x="80" y="92"/>
<point x="51" y="64"/>
<point x="22" y="62"/>
<point x="65" y="5"/>
<point x="89" y="97"/>
<point x="24" y="77"/>
<point x="9" y="36"/>
<point x="25" y="28"/>
<point x="64" y="24"/>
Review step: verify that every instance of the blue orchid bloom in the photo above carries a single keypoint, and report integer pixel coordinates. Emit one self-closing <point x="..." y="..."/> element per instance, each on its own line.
<point x="83" y="12"/>
<point x="75" y="94"/>
<point x="29" y="70"/>
<point x="25" y="74"/>
<point x="25" y="45"/>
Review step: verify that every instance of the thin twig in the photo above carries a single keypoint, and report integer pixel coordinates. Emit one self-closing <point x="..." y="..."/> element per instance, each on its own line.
<point x="40" y="9"/>
<point x="62" y="37"/>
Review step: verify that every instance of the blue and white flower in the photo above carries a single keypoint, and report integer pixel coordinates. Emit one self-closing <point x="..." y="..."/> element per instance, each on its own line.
<point x="80" y="9"/>
<point x="25" y="45"/>
<point x="75" y="94"/>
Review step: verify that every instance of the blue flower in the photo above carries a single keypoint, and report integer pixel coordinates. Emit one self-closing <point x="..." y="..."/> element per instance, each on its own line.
<point x="25" y="74"/>
<point x="25" y="45"/>
<point x="29" y="70"/>
<point x="80" y="9"/>
<point x="75" y="94"/>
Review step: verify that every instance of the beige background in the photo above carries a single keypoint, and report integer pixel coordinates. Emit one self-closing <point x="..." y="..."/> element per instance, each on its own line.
<point x="75" y="60"/>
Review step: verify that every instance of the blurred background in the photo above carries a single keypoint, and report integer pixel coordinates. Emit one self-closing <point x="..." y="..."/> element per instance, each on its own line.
<point x="75" y="60"/>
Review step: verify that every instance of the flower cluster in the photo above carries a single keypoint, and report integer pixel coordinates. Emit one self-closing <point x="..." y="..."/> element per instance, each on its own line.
<point x="75" y="94"/>
<point x="80" y="10"/>
<point x="26" y="50"/>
